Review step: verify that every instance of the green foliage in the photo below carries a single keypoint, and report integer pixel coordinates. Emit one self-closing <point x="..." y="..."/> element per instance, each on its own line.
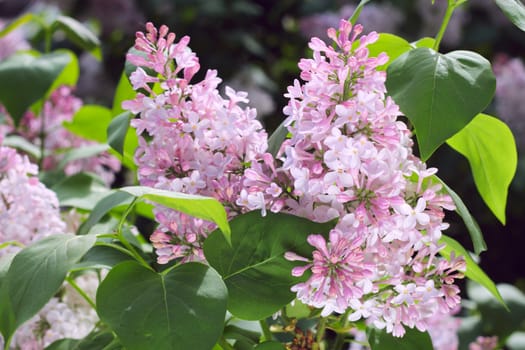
<point x="206" y="208"/>
<point x="78" y="34"/>
<point x="514" y="10"/>
<point x="256" y="254"/>
<point x="90" y="122"/>
<point x="123" y="92"/>
<point x="412" y="340"/>
<point x="472" y="226"/>
<point x="29" y="77"/>
<point x="100" y="340"/>
<point x="393" y="45"/>
<point x="82" y="190"/>
<point x="489" y="146"/>
<point x="123" y="139"/>
<point x="270" y="345"/>
<point x="182" y="308"/>
<point x="440" y="93"/>
<point x="35" y="275"/>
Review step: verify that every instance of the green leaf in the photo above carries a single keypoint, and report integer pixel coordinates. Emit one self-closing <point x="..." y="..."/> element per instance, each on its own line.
<point x="101" y="257"/>
<point x="77" y="33"/>
<point x="277" y="138"/>
<point x="123" y="139"/>
<point x="253" y="266"/>
<point x="412" y="340"/>
<point x="514" y="10"/>
<point x="472" y="226"/>
<point x="102" y="207"/>
<point x="424" y="42"/>
<point x="35" y="275"/>
<point x="489" y="146"/>
<point x="355" y="16"/>
<point x="181" y="309"/>
<point x="81" y="153"/>
<point x="90" y="122"/>
<point x="123" y="93"/>
<point x="270" y="345"/>
<point x="22" y="144"/>
<point x="473" y="272"/>
<point x="81" y="190"/>
<point x="393" y="45"/>
<point x="28" y="17"/>
<point x="440" y="94"/>
<point x="29" y="79"/>
<point x="95" y="340"/>
<point x="206" y="208"/>
<point x="70" y="73"/>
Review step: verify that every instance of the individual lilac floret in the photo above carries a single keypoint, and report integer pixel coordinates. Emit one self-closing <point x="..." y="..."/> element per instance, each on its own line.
<point x="191" y="139"/>
<point x="349" y="158"/>
<point x="28" y="210"/>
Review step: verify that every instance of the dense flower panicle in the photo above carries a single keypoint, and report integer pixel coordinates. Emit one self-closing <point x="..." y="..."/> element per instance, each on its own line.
<point x="191" y="139"/>
<point x="12" y="42"/>
<point x="484" y="343"/>
<point x="350" y="159"/>
<point x="28" y="210"/>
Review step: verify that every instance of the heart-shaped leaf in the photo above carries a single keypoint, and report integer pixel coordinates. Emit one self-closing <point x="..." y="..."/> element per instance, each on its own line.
<point x="35" y="275"/>
<point x="29" y="79"/>
<point x="181" y="309"/>
<point x="253" y="266"/>
<point x="489" y="146"/>
<point x="440" y="94"/>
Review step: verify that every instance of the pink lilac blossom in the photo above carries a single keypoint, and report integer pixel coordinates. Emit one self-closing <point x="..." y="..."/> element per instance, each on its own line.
<point x="64" y="316"/>
<point x="59" y="108"/>
<point x="350" y="159"/>
<point x="191" y="139"/>
<point x="28" y="210"/>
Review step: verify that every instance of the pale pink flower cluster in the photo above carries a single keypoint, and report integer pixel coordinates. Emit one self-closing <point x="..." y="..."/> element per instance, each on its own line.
<point x="350" y="159"/>
<point x="59" y="108"/>
<point x="191" y="139"/>
<point x="64" y="316"/>
<point x="28" y="210"/>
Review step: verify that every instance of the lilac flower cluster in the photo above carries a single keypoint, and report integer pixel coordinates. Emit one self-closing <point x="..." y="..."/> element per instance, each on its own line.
<point x="350" y="159"/>
<point x="191" y="139"/>
<point x="22" y="195"/>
